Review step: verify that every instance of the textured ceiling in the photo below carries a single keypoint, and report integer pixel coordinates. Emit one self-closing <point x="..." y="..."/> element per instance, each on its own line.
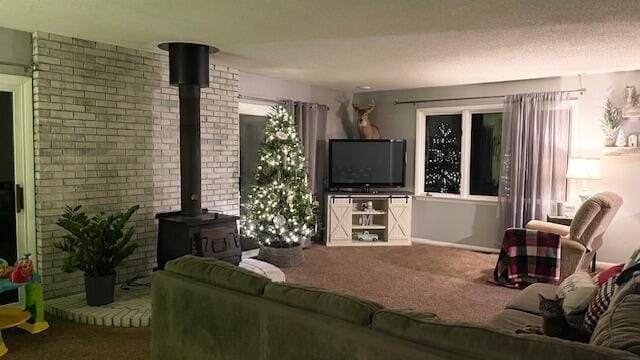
<point x="387" y="44"/>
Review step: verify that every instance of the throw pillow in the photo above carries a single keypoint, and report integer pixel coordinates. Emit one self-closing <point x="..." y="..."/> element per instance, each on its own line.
<point x="634" y="259"/>
<point x="578" y="291"/>
<point x="602" y="277"/>
<point x="600" y="303"/>
<point x="631" y="269"/>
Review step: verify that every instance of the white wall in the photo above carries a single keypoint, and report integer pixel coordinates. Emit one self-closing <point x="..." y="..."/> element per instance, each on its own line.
<point x="16" y="48"/>
<point x="476" y="224"/>
<point x="620" y="174"/>
<point x="338" y="117"/>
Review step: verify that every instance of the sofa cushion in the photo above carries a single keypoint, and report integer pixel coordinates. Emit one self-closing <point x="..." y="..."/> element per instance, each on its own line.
<point x="577" y="290"/>
<point x="341" y="306"/>
<point x="528" y="300"/>
<point x="400" y="320"/>
<point x="511" y="320"/>
<point x="218" y="273"/>
<point x="619" y="326"/>
<point x="467" y="341"/>
<point x="631" y="286"/>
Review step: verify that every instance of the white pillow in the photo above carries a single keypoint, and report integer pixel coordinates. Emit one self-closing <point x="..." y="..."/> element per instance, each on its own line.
<point x="577" y="290"/>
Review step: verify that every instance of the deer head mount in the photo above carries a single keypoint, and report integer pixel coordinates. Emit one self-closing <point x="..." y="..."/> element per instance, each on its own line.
<point x="365" y="127"/>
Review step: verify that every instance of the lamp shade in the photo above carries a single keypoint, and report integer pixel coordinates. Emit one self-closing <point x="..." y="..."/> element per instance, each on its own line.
<point x="583" y="168"/>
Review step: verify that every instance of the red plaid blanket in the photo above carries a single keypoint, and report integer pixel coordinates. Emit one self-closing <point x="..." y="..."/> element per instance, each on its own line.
<point x="526" y="257"/>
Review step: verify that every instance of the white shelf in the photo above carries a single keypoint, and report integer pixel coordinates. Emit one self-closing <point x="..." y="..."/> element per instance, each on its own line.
<point x="621" y="151"/>
<point x="371" y="212"/>
<point x="368" y="243"/>
<point x="359" y="227"/>
<point x="404" y="242"/>
<point x="392" y="223"/>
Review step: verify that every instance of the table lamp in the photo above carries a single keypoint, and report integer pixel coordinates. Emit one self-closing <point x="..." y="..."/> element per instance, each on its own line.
<point x="584" y="169"/>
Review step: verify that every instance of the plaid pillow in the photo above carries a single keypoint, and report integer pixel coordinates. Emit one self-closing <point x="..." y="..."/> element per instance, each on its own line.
<point x="602" y="277"/>
<point x="600" y="303"/>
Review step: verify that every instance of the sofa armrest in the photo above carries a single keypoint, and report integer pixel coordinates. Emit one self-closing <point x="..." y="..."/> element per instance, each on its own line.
<point x="572" y="246"/>
<point x="558" y="229"/>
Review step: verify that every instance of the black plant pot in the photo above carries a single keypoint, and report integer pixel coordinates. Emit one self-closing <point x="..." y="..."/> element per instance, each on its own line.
<point x="99" y="289"/>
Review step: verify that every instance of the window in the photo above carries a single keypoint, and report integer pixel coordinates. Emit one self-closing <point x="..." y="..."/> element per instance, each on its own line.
<point x="458" y="152"/>
<point x="484" y="168"/>
<point x="443" y="153"/>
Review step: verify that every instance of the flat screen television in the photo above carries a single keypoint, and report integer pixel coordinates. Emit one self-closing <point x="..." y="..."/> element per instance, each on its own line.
<point x="367" y="163"/>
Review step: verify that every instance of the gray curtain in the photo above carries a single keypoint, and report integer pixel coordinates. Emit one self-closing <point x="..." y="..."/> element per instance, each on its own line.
<point x="311" y="121"/>
<point x="535" y="152"/>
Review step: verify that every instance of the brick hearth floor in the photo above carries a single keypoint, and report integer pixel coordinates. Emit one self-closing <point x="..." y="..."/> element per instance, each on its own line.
<point x="132" y="308"/>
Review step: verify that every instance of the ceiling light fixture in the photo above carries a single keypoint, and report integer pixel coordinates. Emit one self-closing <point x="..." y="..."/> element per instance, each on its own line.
<point x="363" y="87"/>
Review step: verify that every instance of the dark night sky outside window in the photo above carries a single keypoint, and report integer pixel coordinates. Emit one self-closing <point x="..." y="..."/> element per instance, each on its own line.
<point x="443" y="153"/>
<point x="484" y="171"/>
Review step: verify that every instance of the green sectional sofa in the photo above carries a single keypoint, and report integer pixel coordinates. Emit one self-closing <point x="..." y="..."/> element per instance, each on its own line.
<point x="207" y="309"/>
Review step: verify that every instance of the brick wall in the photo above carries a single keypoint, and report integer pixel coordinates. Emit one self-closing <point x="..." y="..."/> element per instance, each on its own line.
<point x="106" y="137"/>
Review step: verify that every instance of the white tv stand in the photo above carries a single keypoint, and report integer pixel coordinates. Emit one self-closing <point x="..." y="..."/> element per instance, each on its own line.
<point x="390" y="218"/>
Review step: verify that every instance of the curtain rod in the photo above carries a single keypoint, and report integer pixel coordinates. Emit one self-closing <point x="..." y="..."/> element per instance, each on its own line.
<point x="246" y="97"/>
<point x="581" y="90"/>
<point x="26" y="67"/>
<point x="240" y="96"/>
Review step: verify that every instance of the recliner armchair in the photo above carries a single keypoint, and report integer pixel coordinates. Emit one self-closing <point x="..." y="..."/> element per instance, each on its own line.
<point x="584" y="237"/>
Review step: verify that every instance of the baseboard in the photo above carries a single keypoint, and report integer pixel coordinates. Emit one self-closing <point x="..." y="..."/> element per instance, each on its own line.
<point x="455" y="245"/>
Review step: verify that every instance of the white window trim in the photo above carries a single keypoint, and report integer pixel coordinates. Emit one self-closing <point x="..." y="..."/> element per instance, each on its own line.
<point x="465" y="150"/>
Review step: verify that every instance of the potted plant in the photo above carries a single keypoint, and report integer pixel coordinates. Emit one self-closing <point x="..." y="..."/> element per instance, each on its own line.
<point x="610" y="122"/>
<point x="96" y="245"/>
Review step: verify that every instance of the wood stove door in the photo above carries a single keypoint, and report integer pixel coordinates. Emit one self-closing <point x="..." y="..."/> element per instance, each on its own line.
<point x="219" y="242"/>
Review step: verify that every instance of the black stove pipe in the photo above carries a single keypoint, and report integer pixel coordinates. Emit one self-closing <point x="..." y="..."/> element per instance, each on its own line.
<point x="189" y="71"/>
<point x="190" y="156"/>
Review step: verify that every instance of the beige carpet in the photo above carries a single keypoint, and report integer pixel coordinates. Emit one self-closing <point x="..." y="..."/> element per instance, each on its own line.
<point x="448" y="282"/>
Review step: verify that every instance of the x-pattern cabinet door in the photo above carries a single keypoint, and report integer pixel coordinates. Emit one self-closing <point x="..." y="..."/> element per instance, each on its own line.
<point x="340" y="219"/>
<point x="398" y="219"/>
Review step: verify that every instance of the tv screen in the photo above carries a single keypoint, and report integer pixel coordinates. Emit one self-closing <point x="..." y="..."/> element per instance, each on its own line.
<point x="366" y="163"/>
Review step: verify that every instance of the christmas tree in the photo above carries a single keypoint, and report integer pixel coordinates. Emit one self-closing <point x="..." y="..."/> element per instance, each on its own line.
<point x="443" y="162"/>
<point x="280" y="207"/>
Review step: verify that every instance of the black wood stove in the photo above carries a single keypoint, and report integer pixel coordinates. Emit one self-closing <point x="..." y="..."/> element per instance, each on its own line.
<point x="193" y="230"/>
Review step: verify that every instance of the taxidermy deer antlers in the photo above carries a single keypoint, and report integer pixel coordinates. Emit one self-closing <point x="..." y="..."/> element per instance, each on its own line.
<point x="365" y="127"/>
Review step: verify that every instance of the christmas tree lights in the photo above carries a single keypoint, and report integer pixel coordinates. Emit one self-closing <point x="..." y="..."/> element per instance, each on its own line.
<point x="443" y="162"/>
<point x="280" y="207"/>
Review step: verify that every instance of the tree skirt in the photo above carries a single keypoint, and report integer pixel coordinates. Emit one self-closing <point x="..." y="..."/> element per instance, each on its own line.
<point x="282" y="257"/>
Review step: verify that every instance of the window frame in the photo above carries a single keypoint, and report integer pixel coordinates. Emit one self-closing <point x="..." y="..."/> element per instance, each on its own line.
<point x="465" y="150"/>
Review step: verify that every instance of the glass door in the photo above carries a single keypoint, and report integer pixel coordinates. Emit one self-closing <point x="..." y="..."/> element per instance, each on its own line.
<point x="8" y="238"/>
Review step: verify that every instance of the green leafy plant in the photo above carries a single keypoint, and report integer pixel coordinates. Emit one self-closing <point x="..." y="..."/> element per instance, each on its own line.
<point x="96" y="245"/>
<point x="611" y="119"/>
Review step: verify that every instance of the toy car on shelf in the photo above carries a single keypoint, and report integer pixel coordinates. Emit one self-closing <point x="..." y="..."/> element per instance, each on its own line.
<point x="365" y="236"/>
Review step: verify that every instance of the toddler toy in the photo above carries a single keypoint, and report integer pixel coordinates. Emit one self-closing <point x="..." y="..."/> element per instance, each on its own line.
<point x="5" y="269"/>
<point x="23" y="270"/>
<point x="31" y="316"/>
